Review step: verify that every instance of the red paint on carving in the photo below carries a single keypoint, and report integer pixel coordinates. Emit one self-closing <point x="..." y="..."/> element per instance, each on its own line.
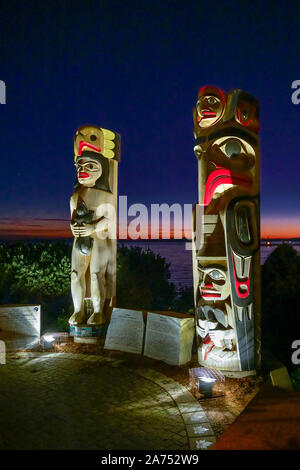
<point x="223" y="176"/>
<point x="207" y="341"/>
<point x="206" y="295"/>
<point x="82" y="144"/>
<point x="239" y="283"/>
<point x="208" y="114"/>
<point x="83" y="175"/>
<point x="247" y="123"/>
<point x="215" y="89"/>
<point x="208" y="291"/>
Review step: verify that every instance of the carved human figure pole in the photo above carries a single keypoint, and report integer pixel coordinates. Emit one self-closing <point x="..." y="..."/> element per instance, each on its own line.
<point x="94" y="223"/>
<point x="227" y="262"/>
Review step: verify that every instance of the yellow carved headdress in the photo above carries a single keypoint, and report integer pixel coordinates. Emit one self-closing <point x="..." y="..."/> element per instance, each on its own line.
<point x="96" y="139"/>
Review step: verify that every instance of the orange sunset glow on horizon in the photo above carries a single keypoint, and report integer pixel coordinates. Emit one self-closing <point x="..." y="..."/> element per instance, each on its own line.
<point x="60" y="228"/>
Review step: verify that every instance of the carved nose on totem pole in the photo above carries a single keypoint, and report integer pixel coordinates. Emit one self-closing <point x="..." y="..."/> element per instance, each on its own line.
<point x="94" y="228"/>
<point x="229" y="167"/>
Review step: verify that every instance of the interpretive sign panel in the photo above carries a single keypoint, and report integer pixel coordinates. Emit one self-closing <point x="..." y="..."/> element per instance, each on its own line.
<point x="169" y="338"/>
<point x="21" y="319"/>
<point x="125" y="331"/>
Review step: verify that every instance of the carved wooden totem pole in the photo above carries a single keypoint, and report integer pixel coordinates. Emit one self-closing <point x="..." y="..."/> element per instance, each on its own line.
<point x="226" y="261"/>
<point x="94" y="224"/>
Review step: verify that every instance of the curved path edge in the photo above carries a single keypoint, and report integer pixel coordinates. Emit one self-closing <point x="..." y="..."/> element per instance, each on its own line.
<point x="198" y="428"/>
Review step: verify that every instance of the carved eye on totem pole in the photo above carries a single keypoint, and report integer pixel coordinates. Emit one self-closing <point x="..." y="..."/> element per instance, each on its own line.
<point x="214" y="283"/>
<point x="210" y="106"/>
<point x="231" y="153"/>
<point x="247" y="115"/>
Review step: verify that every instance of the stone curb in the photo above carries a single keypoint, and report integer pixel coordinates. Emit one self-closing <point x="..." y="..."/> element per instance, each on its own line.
<point x="198" y="429"/>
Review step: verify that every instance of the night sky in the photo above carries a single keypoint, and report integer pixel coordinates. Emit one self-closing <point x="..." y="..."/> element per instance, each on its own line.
<point x="136" y="67"/>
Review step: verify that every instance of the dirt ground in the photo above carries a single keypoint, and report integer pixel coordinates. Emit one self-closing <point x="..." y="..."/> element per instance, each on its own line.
<point x="221" y="411"/>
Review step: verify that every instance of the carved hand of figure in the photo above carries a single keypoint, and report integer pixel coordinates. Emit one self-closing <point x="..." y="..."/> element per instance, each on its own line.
<point x="103" y="225"/>
<point x="218" y="336"/>
<point x="74" y="229"/>
<point x="82" y="230"/>
<point x="85" y="230"/>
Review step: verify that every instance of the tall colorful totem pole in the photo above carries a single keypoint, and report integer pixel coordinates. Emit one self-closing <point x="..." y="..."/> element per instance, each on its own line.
<point x="226" y="257"/>
<point x="94" y="225"/>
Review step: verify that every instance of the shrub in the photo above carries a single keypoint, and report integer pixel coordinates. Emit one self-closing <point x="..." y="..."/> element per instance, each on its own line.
<point x="39" y="273"/>
<point x="143" y="280"/>
<point x="295" y="378"/>
<point x="280" y="299"/>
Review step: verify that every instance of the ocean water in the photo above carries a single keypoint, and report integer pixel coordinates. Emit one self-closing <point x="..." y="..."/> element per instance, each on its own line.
<point x="181" y="259"/>
<point x="174" y="252"/>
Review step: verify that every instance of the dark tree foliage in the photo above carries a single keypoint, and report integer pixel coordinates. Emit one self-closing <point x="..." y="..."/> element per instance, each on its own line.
<point x="39" y="273"/>
<point x="280" y="302"/>
<point x="143" y="280"/>
<point x="295" y="378"/>
<point x="184" y="301"/>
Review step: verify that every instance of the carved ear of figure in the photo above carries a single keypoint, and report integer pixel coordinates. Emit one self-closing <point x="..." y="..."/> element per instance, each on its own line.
<point x="198" y="151"/>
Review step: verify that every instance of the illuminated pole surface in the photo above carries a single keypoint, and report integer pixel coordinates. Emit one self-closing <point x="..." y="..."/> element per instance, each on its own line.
<point x="94" y="224"/>
<point x="227" y="263"/>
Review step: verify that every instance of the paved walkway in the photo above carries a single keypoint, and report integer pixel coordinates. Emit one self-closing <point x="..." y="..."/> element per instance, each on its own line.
<point x="77" y="401"/>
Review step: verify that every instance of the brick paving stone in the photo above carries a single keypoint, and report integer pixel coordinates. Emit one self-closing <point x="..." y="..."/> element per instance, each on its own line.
<point x="183" y="396"/>
<point x="193" y="418"/>
<point x="168" y="386"/>
<point x="55" y="401"/>
<point x="189" y="407"/>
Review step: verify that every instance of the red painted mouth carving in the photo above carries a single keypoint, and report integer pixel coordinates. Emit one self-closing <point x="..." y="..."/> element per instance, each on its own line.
<point x="207" y="114"/>
<point x="208" y="291"/>
<point x="88" y="145"/>
<point x="83" y="175"/>
<point x="224" y="176"/>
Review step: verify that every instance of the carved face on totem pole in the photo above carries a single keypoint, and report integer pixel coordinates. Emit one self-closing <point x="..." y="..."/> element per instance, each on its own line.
<point x="227" y="148"/>
<point x="94" y="148"/>
<point x="210" y="106"/>
<point x="214" y="283"/>
<point x="98" y="140"/>
<point x="92" y="171"/>
<point x="88" y="170"/>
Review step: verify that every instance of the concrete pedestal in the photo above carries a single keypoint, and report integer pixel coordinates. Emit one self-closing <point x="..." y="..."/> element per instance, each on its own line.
<point x="90" y="334"/>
